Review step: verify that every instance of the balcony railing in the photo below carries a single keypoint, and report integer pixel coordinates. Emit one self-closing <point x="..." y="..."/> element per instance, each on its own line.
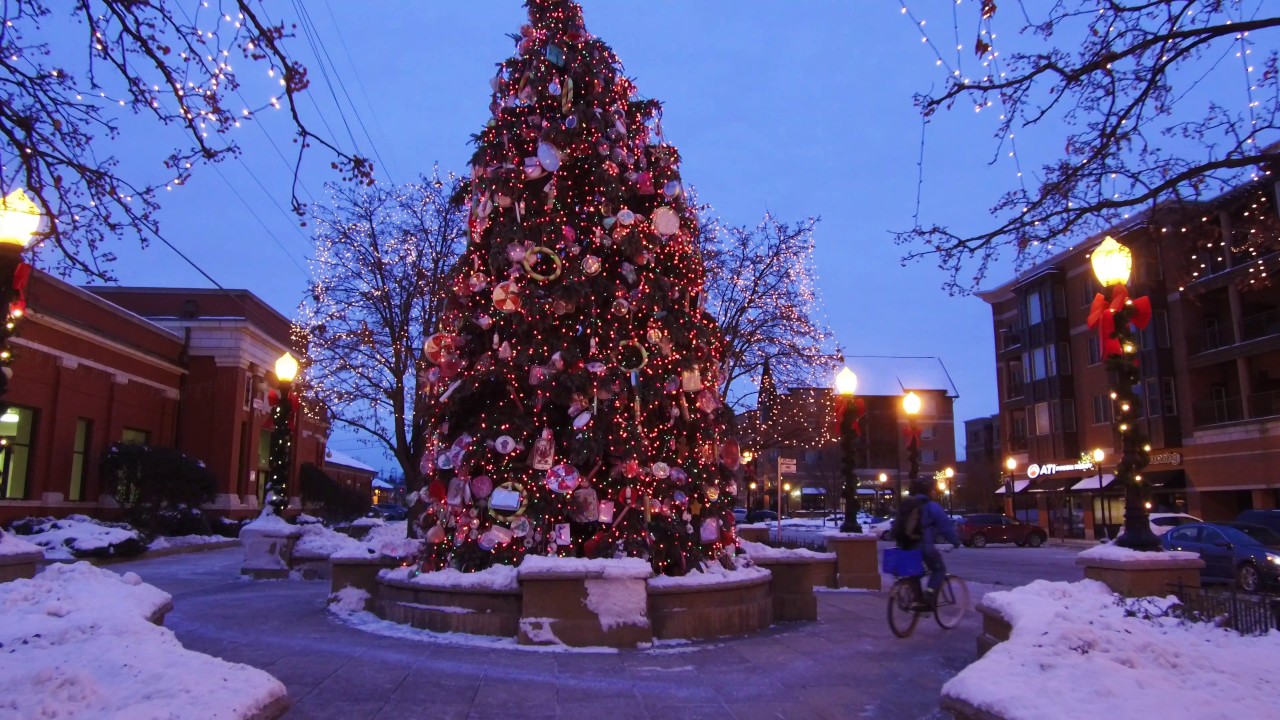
<point x="1264" y="404"/>
<point x="1261" y="325"/>
<point x="1210" y="338"/>
<point x="1218" y="411"/>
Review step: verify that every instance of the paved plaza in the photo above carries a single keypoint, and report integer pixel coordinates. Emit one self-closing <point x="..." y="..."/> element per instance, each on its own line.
<point x="846" y="665"/>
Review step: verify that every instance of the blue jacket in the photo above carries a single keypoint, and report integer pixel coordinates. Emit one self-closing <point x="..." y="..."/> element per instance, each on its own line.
<point x="935" y="522"/>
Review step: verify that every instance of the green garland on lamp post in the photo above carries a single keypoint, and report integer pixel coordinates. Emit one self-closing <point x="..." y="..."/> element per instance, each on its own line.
<point x="281" y="460"/>
<point x="848" y="412"/>
<point x="1116" y="315"/>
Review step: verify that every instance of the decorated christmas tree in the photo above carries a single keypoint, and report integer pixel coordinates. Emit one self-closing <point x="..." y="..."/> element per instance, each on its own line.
<point x="575" y="373"/>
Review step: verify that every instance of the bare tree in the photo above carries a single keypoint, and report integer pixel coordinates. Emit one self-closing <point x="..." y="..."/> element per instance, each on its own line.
<point x="760" y="291"/>
<point x="382" y="268"/>
<point x="1161" y="102"/>
<point x="169" y="62"/>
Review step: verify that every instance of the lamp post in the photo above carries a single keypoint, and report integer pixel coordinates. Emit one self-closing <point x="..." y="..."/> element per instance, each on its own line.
<point x="277" y="496"/>
<point x="786" y="500"/>
<point x="911" y="406"/>
<point x="880" y="491"/>
<point x="943" y="478"/>
<point x="1115" y="315"/>
<point x="19" y="221"/>
<point x="1097" y="457"/>
<point x="848" y="413"/>
<point x="747" y="457"/>
<point x="1011" y="465"/>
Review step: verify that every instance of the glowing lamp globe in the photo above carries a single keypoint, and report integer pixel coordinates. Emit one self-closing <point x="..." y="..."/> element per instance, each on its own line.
<point x="1112" y="262"/>
<point x="846" y="382"/>
<point x="1011" y="464"/>
<point x="911" y="403"/>
<point x="1098" y="455"/>
<point x="286" y="368"/>
<point x="19" y="219"/>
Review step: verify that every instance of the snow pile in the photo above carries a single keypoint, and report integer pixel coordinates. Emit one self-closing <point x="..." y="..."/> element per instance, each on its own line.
<point x="1073" y="653"/>
<point x="534" y="565"/>
<point x="760" y="551"/>
<point x="11" y="544"/>
<point x="77" y="644"/>
<point x="618" y="603"/>
<point x="319" y="542"/>
<point x="385" y="540"/>
<point x="501" y="578"/>
<point x="1112" y="553"/>
<point x="163" y="542"/>
<point x="78" y="535"/>
<point x="348" y="600"/>
<point x="712" y="574"/>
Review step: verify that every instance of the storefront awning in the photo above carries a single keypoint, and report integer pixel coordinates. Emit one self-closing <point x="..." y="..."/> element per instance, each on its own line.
<point x="1088" y="484"/>
<point x="1018" y="486"/>
<point x="1052" y="484"/>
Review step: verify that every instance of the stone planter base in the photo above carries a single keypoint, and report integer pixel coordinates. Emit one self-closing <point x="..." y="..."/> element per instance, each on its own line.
<point x="360" y="573"/>
<point x="701" y="612"/>
<point x="857" y="561"/>
<point x="1154" y="576"/>
<point x="21" y="565"/>
<point x="583" y="608"/>
<point x="268" y="548"/>
<point x="995" y="629"/>
<point x="753" y="534"/>
<point x="475" y="612"/>
<point x="310" y="568"/>
<point x="792" y="587"/>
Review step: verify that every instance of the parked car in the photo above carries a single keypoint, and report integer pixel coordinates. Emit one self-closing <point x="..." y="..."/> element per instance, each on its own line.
<point x="1248" y="555"/>
<point x="982" y="528"/>
<point x="1266" y="518"/>
<point x="388" y="511"/>
<point x="739" y="515"/>
<point x="1162" y="523"/>
<point x="880" y="526"/>
<point x="756" y="516"/>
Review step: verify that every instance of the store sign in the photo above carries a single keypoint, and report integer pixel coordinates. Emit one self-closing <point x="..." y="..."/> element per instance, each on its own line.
<point x="1166" y="458"/>
<point x="1034" y="471"/>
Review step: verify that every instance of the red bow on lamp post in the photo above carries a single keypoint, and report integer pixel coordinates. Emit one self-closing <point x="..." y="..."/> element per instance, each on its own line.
<point x="845" y="404"/>
<point x="1102" y="316"/>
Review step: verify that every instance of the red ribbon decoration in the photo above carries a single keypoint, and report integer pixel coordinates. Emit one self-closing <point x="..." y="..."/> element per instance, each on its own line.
<point x="1102" y="316"/>
<point x="912" y="433"/>
<point x="21" y="275"/>
<point x="842" y="406"/>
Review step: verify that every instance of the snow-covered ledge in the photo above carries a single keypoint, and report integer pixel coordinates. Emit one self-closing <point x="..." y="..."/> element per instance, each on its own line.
<point x="268" y="544"/>
<point x="18" y="558"/>
<point x="1140" y="574"/>
<point x="584" y="602"/>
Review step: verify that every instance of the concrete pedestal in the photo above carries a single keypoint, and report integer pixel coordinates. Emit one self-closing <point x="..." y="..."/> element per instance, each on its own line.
<point x="1147" y="575"/>
<point x="584" y="603"/>
<point x="268" y="544"/>
<point x="360" y="573"/>
<point x="19" y="565"/>
<point x="753" y="534"/>
<point x="857" y="562"/>
<point x="792" y="587"/>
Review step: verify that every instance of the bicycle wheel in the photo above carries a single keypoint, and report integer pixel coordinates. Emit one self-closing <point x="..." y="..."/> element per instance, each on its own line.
<point x="951" y="603"/>
<point x="902" y="613"/>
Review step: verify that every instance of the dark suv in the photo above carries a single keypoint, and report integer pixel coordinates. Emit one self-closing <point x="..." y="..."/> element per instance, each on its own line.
<point x="978" y="530"/>
<point x="1266" y="518"/>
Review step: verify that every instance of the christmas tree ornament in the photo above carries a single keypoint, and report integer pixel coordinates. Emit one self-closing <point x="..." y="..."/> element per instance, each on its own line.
<point x="562" y="478"/>
<point x="477" y="282"/>
<point x="436" y="535"/>
<point x="711" y="493"/>
<point x="665" y="222"/>
<point x="520" y="526"/>
<point x="506" y="297"/>
<point x="532" y="168"/>
<point x="441" y="347"/>
<point x="591" y="265"/>
<point x="563" y="536"/>
<point x="532" y="258"/>
<point x="549" y="156"/>
<point x="679" y="476"/>
<point x="661" y="470"/>
<point x="632" y="356"/>
<point x="504" y="444"/>
<point x="481" y="486"/>
<point x="504" y="351"/>
<point x="730" y="454"/>
<point x="553" y="87"/>
<point x="620" y="307"/>
<point x="506" y="500"/>
<point x="581" y="420"/>
<point x="707" y="402"/>
<point x="710" y="531"/>
<point x="626" y="217"/>
<point x="457" y="494"/>
<point x="691" y="380"/>
<point x="606" y="511"/>
<point x="542" y="455"/>
<point x="671" y="189"/>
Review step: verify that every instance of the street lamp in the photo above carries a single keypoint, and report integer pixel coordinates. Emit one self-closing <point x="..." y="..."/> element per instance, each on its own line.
<point x="1097" y="457"/>
<point x="747" y="457"/>
<point x="277" y="495"/>
<point x="1116" y="315"/>
<point x="911" y="406"/>
<point x="880" y="492"/>
<point x="786" y="499"/>
<point x="1011" y="465"/>
<point x="19" y="220"/>
<point x="848" y="412"/>
<point x="943" y="478"/>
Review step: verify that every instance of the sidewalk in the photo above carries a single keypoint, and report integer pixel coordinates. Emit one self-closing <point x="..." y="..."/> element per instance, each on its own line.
<point x="847" y="665"/>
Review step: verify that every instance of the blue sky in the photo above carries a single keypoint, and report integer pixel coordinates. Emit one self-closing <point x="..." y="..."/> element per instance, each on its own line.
<point x="799" y="108"/>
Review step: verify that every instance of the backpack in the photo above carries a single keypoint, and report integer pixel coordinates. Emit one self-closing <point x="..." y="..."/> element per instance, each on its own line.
<point x="908" y="528"/>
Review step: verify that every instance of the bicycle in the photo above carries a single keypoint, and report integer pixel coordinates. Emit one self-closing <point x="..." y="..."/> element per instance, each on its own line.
<point x="906" y="601"/>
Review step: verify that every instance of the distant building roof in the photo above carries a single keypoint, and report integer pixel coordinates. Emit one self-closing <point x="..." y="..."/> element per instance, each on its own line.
<point x="882" y="375"/>
<point x="333" y="457"/>
<point x="383" y="484"/>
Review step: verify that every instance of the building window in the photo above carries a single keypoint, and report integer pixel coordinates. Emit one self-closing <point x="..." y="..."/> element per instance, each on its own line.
<point x="1153" y="397"/>
<point x="17" y="426"/>
<point x="79" y="454"/>
<point x="1042" y="422"/>
<point x="1068" y="415"/>
<point x="1095" y="350"/>
<point x="1016" y="377"/>
<point x="926" y="433"/>
<point x="1039" y="370"/>
<point x="1160" y="319"/>
<point x="1018" y="428"/>
<point x="135" y="436"/>
<point x="248" y="390"/>
<point x="1087" y="290"/>
<point x="1060" y="300"/>
<point x="1101" y="409"/>
<point x="1168" y="401"/>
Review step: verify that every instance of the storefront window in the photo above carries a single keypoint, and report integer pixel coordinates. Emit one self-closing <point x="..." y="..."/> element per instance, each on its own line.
<point x="16" y="429"/>
<point x="84" y="428"/>
<point x="133" y="435"/>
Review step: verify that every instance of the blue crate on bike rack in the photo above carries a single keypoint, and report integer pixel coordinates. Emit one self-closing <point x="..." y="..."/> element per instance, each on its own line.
<point x="903" y="563"/>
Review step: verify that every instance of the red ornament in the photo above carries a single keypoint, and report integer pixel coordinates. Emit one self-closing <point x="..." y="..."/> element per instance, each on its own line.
<point x="506" y="297"/>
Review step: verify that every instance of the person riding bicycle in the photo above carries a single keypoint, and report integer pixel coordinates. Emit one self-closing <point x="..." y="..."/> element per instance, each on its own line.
<point x="922" y="521"/>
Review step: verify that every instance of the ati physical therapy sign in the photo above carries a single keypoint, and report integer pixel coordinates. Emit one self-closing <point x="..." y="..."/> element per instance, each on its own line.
<point x="1034" y="471"/>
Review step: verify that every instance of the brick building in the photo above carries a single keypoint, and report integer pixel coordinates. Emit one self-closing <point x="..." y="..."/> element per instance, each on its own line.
<point x="982" y="465"/>
<point x="1209" y="360"/>
<point x="184" y="368"/>
<point x="798" y="423"/>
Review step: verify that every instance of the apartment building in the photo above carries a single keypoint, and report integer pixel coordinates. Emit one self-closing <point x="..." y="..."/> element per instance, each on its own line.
<point x="1209" y="362"/>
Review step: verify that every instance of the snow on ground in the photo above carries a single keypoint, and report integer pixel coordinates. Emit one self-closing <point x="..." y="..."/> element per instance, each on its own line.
<point x="80" y="533"/>
<point x="1134" y="558"/>
<point x="497" y="577"/>
<point x="177" y="541"/>
<point x="762" y="551"/>
<point x="711" y="574"/>
<point x="11" y="544"/>
<point x="77" y="644"/>
<point x="1074" y="653"/>
<point x="384" y="540"/>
